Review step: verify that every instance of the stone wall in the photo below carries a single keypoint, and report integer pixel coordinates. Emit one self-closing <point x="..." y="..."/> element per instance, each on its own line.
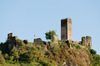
<point x="87" y="41"/>
<point x="66" y="29"/>
<point x="56" y="39"/>
<point x="37" y="40"/>
<point x="11" y="41"/>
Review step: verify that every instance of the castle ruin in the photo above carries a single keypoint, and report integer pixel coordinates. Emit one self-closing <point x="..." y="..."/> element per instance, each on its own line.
<point x="66" y="34"/>
<point x="11" y="40"/>
<point x="66" y="29"/>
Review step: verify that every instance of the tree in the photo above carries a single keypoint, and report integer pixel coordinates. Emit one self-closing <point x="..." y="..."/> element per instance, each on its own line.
<point x="50" y="35"/>
<point x="14" y="52"/>
<point x="93" y="52"/>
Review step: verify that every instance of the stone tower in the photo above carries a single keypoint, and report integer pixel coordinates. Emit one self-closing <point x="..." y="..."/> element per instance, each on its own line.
<point x="89" y="41"/>
<point x="66" y="29"/>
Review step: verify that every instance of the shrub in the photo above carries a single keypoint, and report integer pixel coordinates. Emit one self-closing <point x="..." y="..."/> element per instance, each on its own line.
<point x="14" y="53"/>
<point x="44" y="62"/>
<point x="20" y="42"/>
<point x="93" y="52"/>
<point x="29" y="56"/>
<point x="26" y="57"/>
<point x="48" y="52"/>
<point x="96" y="60"/>
<point x="76" y="46"/>
<point x="6" y="56"/>
<point x="2" y="60"/>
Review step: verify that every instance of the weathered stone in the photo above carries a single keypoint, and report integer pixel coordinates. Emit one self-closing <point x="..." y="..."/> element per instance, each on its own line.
<point x="83" y="42"/>
<point x="66" y="29"/>
<point x="11" y="41"/>
<point x="56" y="39"/>
<point x="37" y="40"/>
<point x="89" y="41"/>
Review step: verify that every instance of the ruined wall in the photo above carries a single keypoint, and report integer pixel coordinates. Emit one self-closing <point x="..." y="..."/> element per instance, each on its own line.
<point x="66" y="29"/>
<point x="38" y="40"/>
<point x="56" y="39"/>
<point x="83" y="42"/>
<point x="55" y="43"/>
<point x="11" y="41"/>
<point x="89" y="41"/>
<point x="69" y="29"/>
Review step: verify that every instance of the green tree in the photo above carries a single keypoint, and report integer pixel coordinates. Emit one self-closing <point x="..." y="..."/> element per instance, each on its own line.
<point x="14" y="53"/>
<point x="50" y="35"/>
<point x="93" y="52"/>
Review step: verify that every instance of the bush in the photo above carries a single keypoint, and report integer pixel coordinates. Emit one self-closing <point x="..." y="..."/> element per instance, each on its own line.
<point x="93" y="52"/>
<point x="2" y="60"/>
<point x="20" y="42"/>
<point x="96" y="60"/>
<point x="14" y="53"/>
<point x="6" y="56"/>
<point x="76" y="46"/>
<point x="48" y="53"/>
<point x="29" y="56"/>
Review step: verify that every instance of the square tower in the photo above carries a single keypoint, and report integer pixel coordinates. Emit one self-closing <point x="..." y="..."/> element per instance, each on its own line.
<point x="66" y="29"/>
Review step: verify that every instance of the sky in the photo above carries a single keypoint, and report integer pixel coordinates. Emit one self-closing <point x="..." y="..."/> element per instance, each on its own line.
<point x="26" y="18"/>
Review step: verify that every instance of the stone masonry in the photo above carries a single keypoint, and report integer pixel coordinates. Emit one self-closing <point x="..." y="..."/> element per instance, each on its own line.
<point x="87" y="41"/>
<point x="38" y="40"/>
<point x="11" y="40"/>
<point x="66" y="34"/>
<point x="66" y="29"/>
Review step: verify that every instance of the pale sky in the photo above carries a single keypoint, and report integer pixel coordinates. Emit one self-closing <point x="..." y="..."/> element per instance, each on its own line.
<point x="26" y="18"/>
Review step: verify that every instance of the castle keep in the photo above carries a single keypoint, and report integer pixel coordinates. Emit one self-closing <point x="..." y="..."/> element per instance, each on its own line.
<point x="66" y="34"/>
<point x="66" y="29"/>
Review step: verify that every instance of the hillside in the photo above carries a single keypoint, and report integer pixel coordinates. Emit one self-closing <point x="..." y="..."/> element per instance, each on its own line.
<point x="47" y="54"/>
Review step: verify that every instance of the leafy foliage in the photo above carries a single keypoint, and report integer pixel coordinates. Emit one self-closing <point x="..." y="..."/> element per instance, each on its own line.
<point x="50" y="35"/>
<point x="19" y="42"/>
<point x="93" y="52"/>
<point x="75" y="46"/>
<point x="14" y="52"/>
<point x="83" y="40"/>
<point x="2" y="60"/>
<point x="37" y="54"/>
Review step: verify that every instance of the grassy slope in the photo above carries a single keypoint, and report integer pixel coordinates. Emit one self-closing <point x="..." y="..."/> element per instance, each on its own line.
<point x="39" y="55"/>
